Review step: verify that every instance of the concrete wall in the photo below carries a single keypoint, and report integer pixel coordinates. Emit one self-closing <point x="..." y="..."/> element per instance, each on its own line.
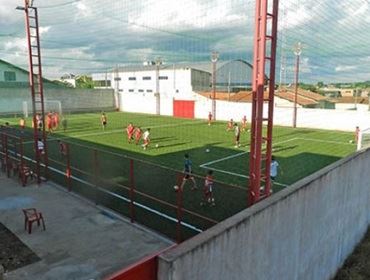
<point x="303" y="232"/>
<point x="71" y="99"/>
<point x="345" y="120"/>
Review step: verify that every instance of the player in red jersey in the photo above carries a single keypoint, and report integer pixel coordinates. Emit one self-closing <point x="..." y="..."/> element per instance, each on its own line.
<point x="138" y="133"/>
<point x="56" y="120"/>
<point x="244" y="123"/>
<point x="130" y="132"/>
<point x="62" y="149"/>
<point x="208" y="190"/>
<point x="209" y="118"/>
<point x="230" y="125"/>
<point x="357" y="134"/>
<point x="49" y="122"/>
<point x="22" y="123"/>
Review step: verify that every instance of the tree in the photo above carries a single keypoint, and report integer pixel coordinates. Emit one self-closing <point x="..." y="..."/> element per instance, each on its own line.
<point x="320" y="84"/>
<point x="84" y="82"/>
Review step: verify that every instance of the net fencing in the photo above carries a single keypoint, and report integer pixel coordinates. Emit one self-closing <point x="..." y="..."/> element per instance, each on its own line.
<point x="154" y="63"/>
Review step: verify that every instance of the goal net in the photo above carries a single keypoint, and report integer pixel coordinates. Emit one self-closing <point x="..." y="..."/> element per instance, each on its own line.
<point x="49" y="106"/>
<point x="364" y="139"/>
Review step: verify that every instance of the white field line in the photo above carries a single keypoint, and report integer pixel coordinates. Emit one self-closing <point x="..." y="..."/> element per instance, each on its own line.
<point x="239" y="154"/>
<point x="324" y="141"/>
<point x="240" y="175"/>
<point x="122" y="198"/>
<point x="206" y="165"/>
<point x="121" y="130"/>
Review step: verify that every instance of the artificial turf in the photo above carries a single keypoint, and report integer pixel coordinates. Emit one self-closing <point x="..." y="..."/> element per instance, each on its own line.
<point x="102" y="158"/>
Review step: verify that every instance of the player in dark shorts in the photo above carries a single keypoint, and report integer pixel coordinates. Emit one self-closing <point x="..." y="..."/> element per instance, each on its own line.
<point x="103" y="120"/>
<point x="188" y="173"/>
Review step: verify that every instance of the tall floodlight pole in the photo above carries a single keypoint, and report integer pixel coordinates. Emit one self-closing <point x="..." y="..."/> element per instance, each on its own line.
<point x="36" y="87"/>
<point x="297" y="52"/>
<point x="158" y="63"/>
<point x="116" y="91"/>
<point x="214" y="59"/>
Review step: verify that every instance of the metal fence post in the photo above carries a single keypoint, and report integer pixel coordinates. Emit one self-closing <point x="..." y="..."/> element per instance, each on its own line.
<point x="179" y="216"/>
<point x="96" y="176"/>
<point x="132" y="191"/>
<point x="68" y="171"/>
<point x="21" y="167"/>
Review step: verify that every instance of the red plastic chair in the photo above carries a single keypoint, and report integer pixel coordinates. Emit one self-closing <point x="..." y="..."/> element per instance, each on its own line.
<point x="31" y="215"/>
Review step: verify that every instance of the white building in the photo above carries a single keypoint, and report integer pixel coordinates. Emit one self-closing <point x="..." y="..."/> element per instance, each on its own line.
<point x="175" y="81"/>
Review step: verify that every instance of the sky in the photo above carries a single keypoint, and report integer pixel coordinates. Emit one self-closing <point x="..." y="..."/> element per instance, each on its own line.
<point x="87" y="36"/>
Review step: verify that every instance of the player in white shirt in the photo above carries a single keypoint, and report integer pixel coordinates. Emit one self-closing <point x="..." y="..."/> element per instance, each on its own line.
<point x="40" y="146"/>
<point x="237" y="135"/>
<point x="146" y="139"/>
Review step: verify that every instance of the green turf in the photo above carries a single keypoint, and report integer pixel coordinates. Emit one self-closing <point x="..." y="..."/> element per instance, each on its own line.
<point x="300" y="152"/>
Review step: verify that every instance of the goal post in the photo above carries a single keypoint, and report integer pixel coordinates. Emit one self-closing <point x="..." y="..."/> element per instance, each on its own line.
<point x="363" y="139"/>
<point x="49" y="106"/>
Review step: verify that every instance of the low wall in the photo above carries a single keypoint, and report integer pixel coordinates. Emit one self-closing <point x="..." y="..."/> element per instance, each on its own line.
<point x="345" y="120"/>
<point x="71" y="99"/>
<point x="303" y="232"/>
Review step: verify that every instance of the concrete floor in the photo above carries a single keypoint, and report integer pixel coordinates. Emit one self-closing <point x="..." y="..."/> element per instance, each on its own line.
<point x="81" y="241"/>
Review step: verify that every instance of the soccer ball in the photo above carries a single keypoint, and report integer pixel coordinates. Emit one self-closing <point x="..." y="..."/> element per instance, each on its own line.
<point x="207" y="150"/>
<point x="176" y="188"/>
<point x="156" y="145"/>
<point x="351" y="141"/>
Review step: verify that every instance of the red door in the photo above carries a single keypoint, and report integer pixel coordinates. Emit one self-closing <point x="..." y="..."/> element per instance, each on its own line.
<point x="183" y="109"/>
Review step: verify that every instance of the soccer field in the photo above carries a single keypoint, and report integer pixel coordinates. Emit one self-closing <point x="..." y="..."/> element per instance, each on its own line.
<point x="300" y="152"/>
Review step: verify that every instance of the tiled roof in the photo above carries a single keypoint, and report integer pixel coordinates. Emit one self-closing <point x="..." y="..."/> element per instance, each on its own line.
<point x="309" y="94"/>
<point x="301" y="100"/>
<point x="350" y="99"/>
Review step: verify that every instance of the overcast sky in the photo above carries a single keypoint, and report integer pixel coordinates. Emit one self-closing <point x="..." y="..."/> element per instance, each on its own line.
<point x="85" y="36"/>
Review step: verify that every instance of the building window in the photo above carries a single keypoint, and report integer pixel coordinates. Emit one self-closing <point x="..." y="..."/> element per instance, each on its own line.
<point x="147" y="78"/>
<point x="120" y="90"/>
<point x="132" y="78"/>
<point x="163" y="77"/>
<point x="102" y="83"/>
<point x="130" y="90"/>
<point x="149" y="90"/>
<point x="9" y="76"/>
<point x="141" y="90"/>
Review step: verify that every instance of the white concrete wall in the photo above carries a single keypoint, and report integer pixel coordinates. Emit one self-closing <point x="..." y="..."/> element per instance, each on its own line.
<point x="303" y="232"/>
<point x="70" y="98"/>
<point x="345" y="120"/>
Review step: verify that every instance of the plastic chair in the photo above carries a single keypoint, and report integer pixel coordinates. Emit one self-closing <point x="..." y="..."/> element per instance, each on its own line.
<point x="31" y="215"/>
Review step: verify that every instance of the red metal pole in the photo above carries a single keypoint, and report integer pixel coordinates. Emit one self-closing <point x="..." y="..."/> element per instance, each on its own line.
<point x="32" y="87"/>
<point x="258" y="95"/>
<point x="132" y="191"/>
<point x="21" y="167"/>
<point x="96" y="170"/>
<point x="7" y="156"/>
<point x="68" y="171"/>
<point x="179" y="216"/>
<point x="271" y="97"/>
<point x="41" y="92"/>
<point x="296" y="92"/>
<point x="214" y="90"/>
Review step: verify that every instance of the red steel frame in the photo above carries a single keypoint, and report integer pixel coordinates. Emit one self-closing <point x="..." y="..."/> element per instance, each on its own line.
<point x="36" y="83"/>
<point x="260" y="163"/>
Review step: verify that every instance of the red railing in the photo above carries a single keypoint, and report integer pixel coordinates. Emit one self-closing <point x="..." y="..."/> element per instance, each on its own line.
<point x="145" y="269"/>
